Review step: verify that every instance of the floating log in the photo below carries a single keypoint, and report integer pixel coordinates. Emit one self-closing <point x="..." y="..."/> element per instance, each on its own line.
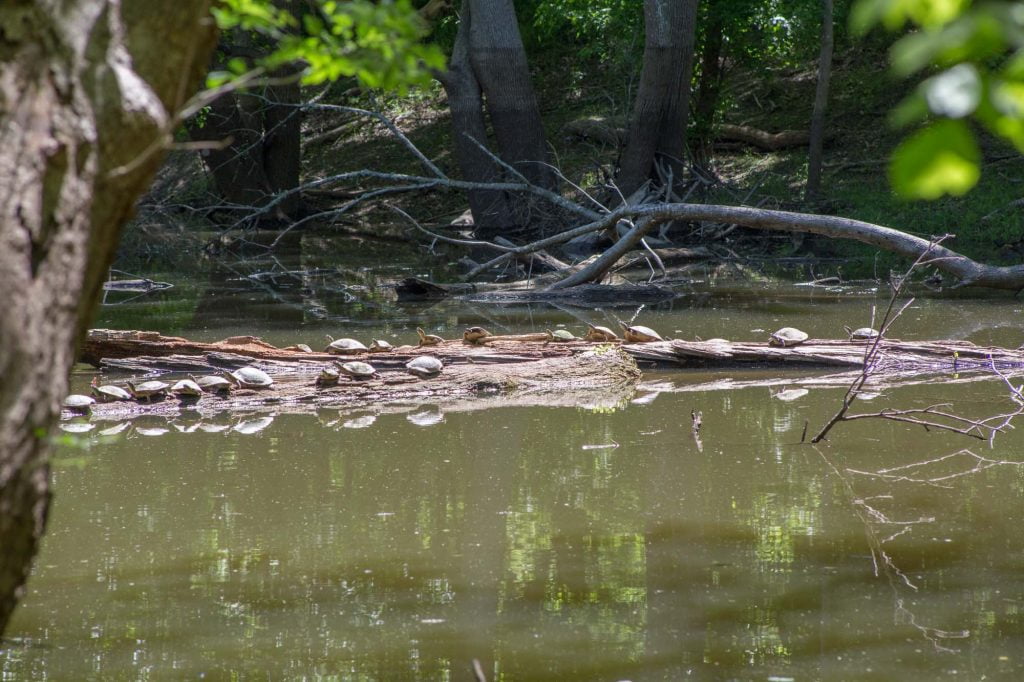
<point x="521" y="369"/>
<point x="893" y="355"/>
<point x="535" y="372"/>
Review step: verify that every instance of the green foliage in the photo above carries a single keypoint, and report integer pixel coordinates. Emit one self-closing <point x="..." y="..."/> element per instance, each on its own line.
<point x="380" y="44"/>
<point x="977" y="53"/>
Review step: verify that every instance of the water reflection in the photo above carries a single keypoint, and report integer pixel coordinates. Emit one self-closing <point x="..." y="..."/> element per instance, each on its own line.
<point x="549" y="543"/>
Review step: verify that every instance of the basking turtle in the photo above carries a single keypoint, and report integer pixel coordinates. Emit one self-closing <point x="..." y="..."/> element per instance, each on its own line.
<point x="328" y="376"/>
<point x="357" y="370"/>
<point x="213" y="383"/>
<point x="862" y="334"/>
<point x="109" y="392"/>
<point x="639" y="334"/>
<point x="79" y="403"/>
<point x="344" y="347"/>
<point x="475" y="335"/>
<point x="300" y="347"/>
<point x="428" y="339"/>
<point x="596" y="333"/>
<point x="187" y="388"/>
<point x="249" y="377"/>
<point x="380" y="346"/>
<point x="561" y="336"/>
<point x="424" y="366"/>
<point x="787" y="337"/>
<point x="148" y="389"/>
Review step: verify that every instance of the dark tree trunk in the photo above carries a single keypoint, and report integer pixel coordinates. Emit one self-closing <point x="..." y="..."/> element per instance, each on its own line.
<point x="260" y="134"/>
<point x="499" y="62"/>
<point x="491" y="212"/>
<point x="820" y="104"/>
<point x="708" y="88"/>
<point x="489" y="62"/>
<point x="85" y="96"/>
<point x="657" y="127"/>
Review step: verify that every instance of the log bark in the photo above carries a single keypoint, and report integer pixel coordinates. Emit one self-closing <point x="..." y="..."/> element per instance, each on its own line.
<point x="86" y="102"/>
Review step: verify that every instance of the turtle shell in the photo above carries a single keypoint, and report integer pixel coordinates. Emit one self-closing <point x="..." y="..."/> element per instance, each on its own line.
<point x="787" y="336"/>
<point x="187" y="388"/>
<point x="380" y="346"/>
<point x="345" y="347"/>
<point x="79" y="403"/>
<point x="250" y="377"/>
<point x="328" y="376"/>
<point x="862" y="334"/>
<point x="596" y="333"/>
<point x="562" y="335"/>
<point x="639" y="333"/>
<point x="424" y="366"/>
<point x="148" y="389"/>
<point x="475" y="334"/>
<point x="109" y="392"/>
<point x="357" y="370"/>
<point x="213" y="384"/>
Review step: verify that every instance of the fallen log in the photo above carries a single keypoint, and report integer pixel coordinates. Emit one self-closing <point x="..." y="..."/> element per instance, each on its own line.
<point x="415" y="289"/>
<point x="893" y="355"/>
<point x="545" y="371"/>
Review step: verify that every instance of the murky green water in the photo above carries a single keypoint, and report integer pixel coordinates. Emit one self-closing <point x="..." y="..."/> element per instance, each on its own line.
<point x="549" y="543"/>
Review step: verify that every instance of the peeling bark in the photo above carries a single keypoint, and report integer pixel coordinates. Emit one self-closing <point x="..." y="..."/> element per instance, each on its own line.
<point x="85" y="102"/>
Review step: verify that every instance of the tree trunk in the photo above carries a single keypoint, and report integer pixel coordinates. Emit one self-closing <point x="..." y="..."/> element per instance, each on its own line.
<point x="709" y="87"/>
<point x="657" y="128"/>
<point x="499" y="62"/>
<point x="488" y="61"/>
<point x="820" y="104"/>
<point x="491" y="213"/>
<point x="85" y="96"/>
<point x="259" y="137"/>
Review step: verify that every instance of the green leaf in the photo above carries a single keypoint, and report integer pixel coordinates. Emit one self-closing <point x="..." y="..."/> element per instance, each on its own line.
<point x="941" y="159"/>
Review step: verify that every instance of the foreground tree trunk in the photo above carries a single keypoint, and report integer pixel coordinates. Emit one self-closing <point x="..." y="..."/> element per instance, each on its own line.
<point x="657" y="127"/>
<point x="85" y="96"/>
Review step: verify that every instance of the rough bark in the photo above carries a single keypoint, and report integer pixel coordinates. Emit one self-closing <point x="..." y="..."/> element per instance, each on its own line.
<point x="820" y="103"/>
<point x="499" y="62"/>
<point x="491" y="211"/>
<point x="85" y="96"/>
<point x="489" y="63"/>
<point x="657" y="128"/>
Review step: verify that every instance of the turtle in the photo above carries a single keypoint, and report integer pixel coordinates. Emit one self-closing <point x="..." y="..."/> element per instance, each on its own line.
<point x="862" y="334"/>
<point x="187" y="388"/>
<point x="424" y="366"/>
<point x="328" y="376"/>
<point x="561" y="336"/>
<point x="148" y="389"/>
<point x="299" y="347"/>
<point x="639" y="334"/>
<point x="357" y="370"/>
<point x="428" y="339"/>
<point x="380" y="346"/>
<point x="786" y="337"/>
<point x="213" y="383"/>
<point x="249" y="377"/>
<point x="109" y="392"/>
<point x="79" y="403"/>
<point x="344" y="347"/>
<point x="596" y="333"/>
<point x="475" y="335"/>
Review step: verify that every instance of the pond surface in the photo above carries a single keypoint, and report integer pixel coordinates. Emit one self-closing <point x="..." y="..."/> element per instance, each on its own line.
<point x="548" y="543"/>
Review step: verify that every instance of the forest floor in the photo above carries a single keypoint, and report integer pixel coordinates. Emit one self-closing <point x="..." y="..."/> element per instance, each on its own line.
<point x="988" y="222"/>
